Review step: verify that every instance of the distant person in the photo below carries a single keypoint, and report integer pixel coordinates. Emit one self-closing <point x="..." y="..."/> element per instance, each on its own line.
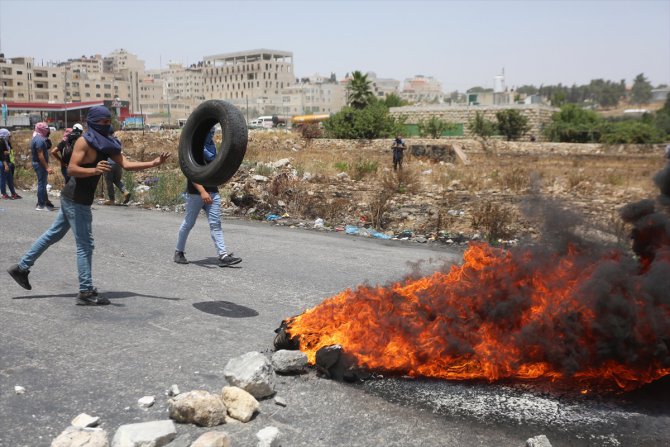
<point x="39" y="150"/>
<point x="63" y="151"/>
<point x="205" y="198"/>
<point x="115" y="177"/>
<point x="7" y="165"/>
<point x="88" y="163"/>
<point x="398" y="152"/>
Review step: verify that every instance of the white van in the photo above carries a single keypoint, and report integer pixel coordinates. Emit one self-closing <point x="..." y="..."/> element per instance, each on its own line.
<point x="265" y="121"/>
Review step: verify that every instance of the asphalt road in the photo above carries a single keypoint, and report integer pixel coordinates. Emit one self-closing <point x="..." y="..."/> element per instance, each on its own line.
<point x="180" y="324"/>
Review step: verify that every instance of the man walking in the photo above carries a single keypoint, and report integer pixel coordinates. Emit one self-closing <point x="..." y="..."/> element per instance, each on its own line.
<point x="39" y="149"/>
<point x="88" y="162"/>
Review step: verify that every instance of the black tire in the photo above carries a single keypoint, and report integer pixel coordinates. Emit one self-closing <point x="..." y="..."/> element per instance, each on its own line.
<point x="229" y="154"/>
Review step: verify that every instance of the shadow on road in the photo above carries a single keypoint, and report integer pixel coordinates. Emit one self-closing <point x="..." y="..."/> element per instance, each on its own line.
<point x="225" y="309"/>
<point x="110" y="295"/>
<point x="212" y="262"/>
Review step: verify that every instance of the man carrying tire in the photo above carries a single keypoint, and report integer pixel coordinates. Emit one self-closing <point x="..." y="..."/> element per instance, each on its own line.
<point x="205" y="198"/>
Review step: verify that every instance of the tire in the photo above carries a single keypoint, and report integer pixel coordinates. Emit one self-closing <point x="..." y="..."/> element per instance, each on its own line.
<point x="229" y="154"/>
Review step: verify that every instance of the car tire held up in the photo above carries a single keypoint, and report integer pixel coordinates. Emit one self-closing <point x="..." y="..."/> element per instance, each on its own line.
<point x="229" y="154"/>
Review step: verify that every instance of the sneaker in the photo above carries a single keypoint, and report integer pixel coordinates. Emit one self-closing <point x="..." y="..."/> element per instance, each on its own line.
<point x="50" y="206"/>
<point x="16" y="196"/>
<point x="126" y="197"/>
<point x="179" y="257"/>
<point x="91" y="298"/>
<point x="5" y="196"/>
<point x="228" y="259"/>
<point x="40" y="208"/>
<point x="108" y="202"/>
<point x="20" y="276"/>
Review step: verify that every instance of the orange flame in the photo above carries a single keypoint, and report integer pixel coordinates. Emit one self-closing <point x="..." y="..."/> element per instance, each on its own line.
<point x="503" y="316"/>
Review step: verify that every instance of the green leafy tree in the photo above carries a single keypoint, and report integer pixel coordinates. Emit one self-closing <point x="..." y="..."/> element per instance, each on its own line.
<point x="482" y="128"/>
<point x="630" y="132"/>
<point x="478" y="89"/>
<point x="512" y="123"/>
<point x="574" y="125"/>
<point x="359" y="91"/>
<point x="393" y="100"/>
<point x="641" y="91"/>
<point x="434" y="127"/>
<point x="662" y="118"/>
<point x="371" y="122"/>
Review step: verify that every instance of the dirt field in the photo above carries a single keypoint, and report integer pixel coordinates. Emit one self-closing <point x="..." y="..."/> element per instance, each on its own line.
<point x="352" y="183"/>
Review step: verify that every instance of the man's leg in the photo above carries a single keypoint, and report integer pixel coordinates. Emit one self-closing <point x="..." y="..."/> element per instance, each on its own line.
<point x="41" y="184"/>
<point x="109" y="184"/>
<point x="213" y="212"/>
<point x="80" y="218"/>
<point x="3" y="179"/>
<point x="193" y="205"/>
<point x="54" y="234"/>
<point x="10" y="179"/>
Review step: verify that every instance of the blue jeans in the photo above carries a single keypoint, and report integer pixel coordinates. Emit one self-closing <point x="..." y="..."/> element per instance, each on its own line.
<point x="7" y="179"/>
<point x="42" y="176"/>
<point x="194" y="204"/>
<point x="79" y="218"/>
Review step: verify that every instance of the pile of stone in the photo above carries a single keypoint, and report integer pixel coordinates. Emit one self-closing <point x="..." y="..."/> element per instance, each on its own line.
<point x="251" y="377"/>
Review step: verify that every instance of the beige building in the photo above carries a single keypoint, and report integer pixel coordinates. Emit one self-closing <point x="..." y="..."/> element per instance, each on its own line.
<point x="247" y="74"/>
<point x="313" y="95"/>
<point x="422" y="89"/>
<point x="382" y="87"/>
<point x="23" y="81"/>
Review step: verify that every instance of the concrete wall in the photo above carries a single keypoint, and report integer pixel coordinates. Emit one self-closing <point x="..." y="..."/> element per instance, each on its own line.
<point x="538" y="115"/>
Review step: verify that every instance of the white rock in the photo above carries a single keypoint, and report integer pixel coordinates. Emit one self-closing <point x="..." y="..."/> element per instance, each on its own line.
<point x="239" y="404"/>
<point x="145" y="434"/>
<point x="213" y="439"/>
<point x="253" y="373"/>
<point x="146" y="401"/>
<point x="81" y="437"/>
<point x="268" y="437"/>
<point x="259" y="178"/>
<point x="84" y="420"/>
<point x="287" y="361"/>
<point x="198" y="407"/>
<point x="173" y="391"/>
<point x="19" y="389"/>
<point x="538" y="441"/>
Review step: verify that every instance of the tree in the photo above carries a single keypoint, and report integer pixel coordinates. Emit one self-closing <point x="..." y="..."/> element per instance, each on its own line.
<point x="641" y="91"/>
<point x="359" y="92"/>
<point x="482" y="128"/>
<point x="371" y="122"/>
<point x="574" y="125"/>
<point x="434" y="127"/>
<point x="512" y="124"/>
<point x="393" y="100"/>
<point x="662" y="118"/>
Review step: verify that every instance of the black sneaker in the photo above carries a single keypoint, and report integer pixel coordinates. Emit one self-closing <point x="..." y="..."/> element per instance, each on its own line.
<point x="228" y="259"/>
<point x="20" y="276"/>
<point x="91" y="298"/>
<point x="179" y="257"/>
<point x="126" y="197"/>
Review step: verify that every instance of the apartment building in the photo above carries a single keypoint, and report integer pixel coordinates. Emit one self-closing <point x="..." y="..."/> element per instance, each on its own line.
<point x="422" y="89"/>
<point x="23" y="81"/>
<point x="382" y="87"/>
<point x="247" y="74"/>
<point x="313" y="95"/>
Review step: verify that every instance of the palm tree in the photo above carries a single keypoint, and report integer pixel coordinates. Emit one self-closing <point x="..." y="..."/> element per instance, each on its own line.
<point x="358" y="90"/>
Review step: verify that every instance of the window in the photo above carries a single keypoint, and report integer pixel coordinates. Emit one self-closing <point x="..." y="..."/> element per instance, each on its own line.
<point x="19" y="72"/>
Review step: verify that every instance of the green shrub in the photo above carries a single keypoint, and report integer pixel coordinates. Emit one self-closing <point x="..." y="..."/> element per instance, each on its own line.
<point x="512" y="123"/>
<point x="371" y="122"/>
<point x="434" y="127"/>
<point x="630" y="132"/>
<point x="574" y="125"/>
<point x="167" y="190"/>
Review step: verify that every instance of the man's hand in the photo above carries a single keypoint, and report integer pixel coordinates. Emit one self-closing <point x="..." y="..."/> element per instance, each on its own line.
<point x="50" y="171"/>
<point x="206" y="198"/>
<point x="162" y="158"/>
<point x="102" y="167"/>
<point x="6" y="168"/>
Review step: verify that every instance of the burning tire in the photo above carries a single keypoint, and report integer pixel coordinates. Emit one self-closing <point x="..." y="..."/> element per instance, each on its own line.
<point x="229" y="154"/>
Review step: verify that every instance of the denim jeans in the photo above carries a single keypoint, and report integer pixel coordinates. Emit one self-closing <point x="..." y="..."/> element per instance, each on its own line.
<point x="7" y="179"/>
<point x="79" y="218"/>
<point x="42" y="176"/>
<point x="114" y="177"/>
<point x="194" y="204"/>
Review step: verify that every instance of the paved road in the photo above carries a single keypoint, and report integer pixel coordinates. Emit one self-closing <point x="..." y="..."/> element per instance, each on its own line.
<point x="100" y="361"/>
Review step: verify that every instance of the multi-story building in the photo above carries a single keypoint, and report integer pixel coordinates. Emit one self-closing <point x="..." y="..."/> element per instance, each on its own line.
<point x="23" y="81"/>
<point x="247" y="74"/>
<point x="314" y="95"/>
<point x="424" y="89"/>
<point x="129" y="68"/>
<point x="382" y="87"/>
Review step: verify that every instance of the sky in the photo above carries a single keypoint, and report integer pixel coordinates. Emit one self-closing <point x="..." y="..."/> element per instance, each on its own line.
<point x="460" y="43"/>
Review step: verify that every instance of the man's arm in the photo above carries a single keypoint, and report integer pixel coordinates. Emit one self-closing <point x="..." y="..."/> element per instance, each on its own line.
<point x="204" y="195"/>
<point x="128" y="165"/>
<point x="55" y="152"/>
<point x="80" y="153"/>
<point x="43" y="161"/>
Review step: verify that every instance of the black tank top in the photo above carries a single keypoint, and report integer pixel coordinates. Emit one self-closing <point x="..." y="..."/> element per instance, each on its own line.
<point x="82" y="190"/>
